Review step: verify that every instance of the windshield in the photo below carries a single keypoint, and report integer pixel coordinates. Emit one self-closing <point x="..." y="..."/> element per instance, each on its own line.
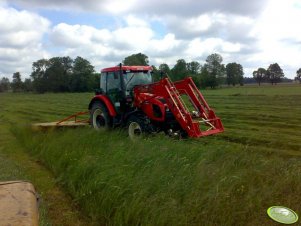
<point x="132" y="79"/>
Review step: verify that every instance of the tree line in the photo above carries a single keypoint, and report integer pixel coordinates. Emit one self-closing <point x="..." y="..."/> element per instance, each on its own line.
<point x="57" y="74"/>
<point x="212" y="74"/>
<point x="64" y="74"/>
<point x="272" y="74"/>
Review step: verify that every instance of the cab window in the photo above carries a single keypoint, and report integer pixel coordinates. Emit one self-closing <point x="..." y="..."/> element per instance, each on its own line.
<point x="103" y="81"/>
<point x="113" y="81"/>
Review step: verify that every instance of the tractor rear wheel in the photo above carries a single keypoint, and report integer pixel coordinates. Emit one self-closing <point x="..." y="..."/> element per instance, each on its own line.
<point x="99" y="116"/>
<point x="137" y="126"/>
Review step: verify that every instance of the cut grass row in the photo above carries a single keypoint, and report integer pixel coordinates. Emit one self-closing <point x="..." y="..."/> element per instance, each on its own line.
<point x="228" y="179"/>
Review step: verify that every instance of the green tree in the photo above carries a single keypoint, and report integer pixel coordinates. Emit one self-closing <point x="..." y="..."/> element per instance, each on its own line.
<point x="241" y="80"/>
<point x="27" y="85"/>
<point x="95" y="81"/>
<point x="40" y="82"/>
<point x="58" y="74"/>
<point x="136" y="59"/>
<point x="155" y="73"/>
<point x="17" y="84"/>
<point x="4" y="84"/>
<point x="179" y="71"/>
<point x="62" y="74"/>
<point x="260" y="75"/>
<point x="298" y="76"/>
<point x="193" y="68"/>
<point x="234" y="74"/>
<point x="204" y="79"/>
<point x="274" y="73"/>
<point x="216" y="70"/>
<point x="164" y="68"/>
<point x="82" y="78"/>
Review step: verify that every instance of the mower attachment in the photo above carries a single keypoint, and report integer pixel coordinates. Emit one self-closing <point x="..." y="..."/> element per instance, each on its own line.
<point x="70" y="121"/>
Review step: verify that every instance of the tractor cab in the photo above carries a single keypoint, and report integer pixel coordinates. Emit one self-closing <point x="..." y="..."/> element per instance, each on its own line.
<point x="117" y="83"/>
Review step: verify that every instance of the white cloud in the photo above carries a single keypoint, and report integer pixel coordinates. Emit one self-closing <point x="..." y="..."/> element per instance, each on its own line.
<point x="136" y="36"/>
<point x="74" y="35"/>
<point x="192" y="8"/>
<point x="21" y="35"/>
<point x="103" y="6"/>
<point x="154" y="7"/>
<point x="200" y="23"/>
<point x="253" y="33"/>
<point x="105" y="47"/>
<point x="21" y="28"/>
<point x="230" y="27"/>
<point x="119" y="6"/>
<point x="167" y="43"/>
<point x="229" y="47"/>
<point x="280" y="21"/>
<point x="279" y="36"/>
<point x="135" y="21"/>
<point x="197" y="47"/>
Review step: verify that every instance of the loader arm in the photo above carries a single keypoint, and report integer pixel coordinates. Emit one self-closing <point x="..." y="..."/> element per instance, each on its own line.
<point x="189" y="121"/>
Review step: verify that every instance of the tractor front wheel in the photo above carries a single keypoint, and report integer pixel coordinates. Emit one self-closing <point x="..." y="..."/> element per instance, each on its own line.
<point x="99" y="117"/>
<point x="137" y="127"/>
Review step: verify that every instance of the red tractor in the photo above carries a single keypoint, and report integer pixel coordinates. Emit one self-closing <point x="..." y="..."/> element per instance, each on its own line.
<point x="129" y="98"/>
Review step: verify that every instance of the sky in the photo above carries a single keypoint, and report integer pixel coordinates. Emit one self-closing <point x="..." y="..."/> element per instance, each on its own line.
<point x="253" y="33"/>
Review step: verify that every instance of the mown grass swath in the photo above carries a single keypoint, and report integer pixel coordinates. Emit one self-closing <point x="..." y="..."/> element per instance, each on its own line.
<point x="227" y="179"/>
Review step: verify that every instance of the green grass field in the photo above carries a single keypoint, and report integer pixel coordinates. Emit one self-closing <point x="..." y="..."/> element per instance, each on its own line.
<point x="226" y="179"/>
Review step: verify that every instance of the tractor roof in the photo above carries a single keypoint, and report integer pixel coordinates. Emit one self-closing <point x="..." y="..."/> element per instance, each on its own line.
<point x="128" y="68"/>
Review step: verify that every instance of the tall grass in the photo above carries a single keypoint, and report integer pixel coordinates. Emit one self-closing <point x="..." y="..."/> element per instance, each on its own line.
<point x="158" y="181"/>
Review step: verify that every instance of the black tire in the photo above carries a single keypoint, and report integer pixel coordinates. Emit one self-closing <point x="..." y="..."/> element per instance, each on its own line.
<point x="138" y="126"/>
<point x="99" y="117"/>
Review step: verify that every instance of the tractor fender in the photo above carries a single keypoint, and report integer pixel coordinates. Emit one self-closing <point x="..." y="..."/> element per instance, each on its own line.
<point x="106" y="101"/>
